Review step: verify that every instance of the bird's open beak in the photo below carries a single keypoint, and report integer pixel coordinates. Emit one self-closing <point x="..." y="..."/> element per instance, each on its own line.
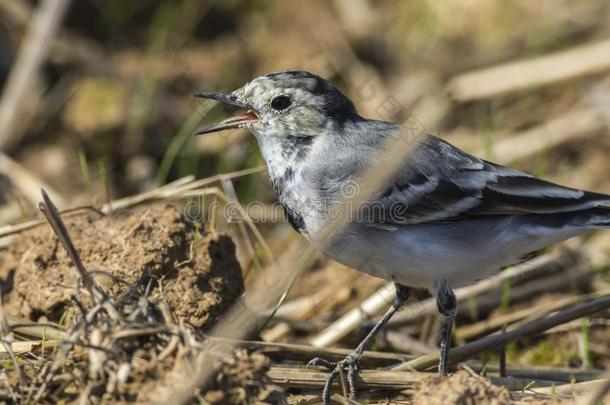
<point x="237" y="121"/>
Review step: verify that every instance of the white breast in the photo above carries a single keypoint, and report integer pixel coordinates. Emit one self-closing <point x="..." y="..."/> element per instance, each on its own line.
<point x="420" y="255"/>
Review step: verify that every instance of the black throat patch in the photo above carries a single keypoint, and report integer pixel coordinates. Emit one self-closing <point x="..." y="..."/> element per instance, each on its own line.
<point x="295" y="219"/>
<point x="296" y="147"/>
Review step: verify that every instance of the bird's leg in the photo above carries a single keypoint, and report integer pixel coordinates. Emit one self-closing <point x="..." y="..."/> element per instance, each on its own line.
<point x="352" y="360"/>
<point x="447" y="306"/>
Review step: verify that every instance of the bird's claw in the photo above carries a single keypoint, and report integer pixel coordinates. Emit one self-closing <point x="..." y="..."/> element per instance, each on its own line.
<point x="351" y="363"/>
<point x="322" y="362"/>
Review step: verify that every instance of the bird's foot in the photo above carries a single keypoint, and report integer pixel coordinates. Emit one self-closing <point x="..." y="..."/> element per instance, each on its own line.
<point x="351" y="363"/>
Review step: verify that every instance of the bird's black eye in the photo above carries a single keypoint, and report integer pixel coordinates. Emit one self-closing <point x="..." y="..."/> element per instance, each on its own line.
<point x="281" y="102"/>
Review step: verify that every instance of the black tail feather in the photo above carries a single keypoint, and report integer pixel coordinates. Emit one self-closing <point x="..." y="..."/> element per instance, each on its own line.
<point x="593" y="217"/>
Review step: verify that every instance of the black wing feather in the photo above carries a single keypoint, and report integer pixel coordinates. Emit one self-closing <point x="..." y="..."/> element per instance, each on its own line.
<point x="439" y="182"/>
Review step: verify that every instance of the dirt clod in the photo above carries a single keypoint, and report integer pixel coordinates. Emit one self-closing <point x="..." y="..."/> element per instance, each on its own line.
<point x="242" y="379"/>
<point x="460" y="388"/>
<point x="154" y="248"/>
<point x="166" y="280"/>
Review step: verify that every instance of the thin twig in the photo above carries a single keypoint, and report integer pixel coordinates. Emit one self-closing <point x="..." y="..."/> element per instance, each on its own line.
<point x="494" y="341"/>
<point x="231" y="195"/>
<point x="52" y="215"/>
<point x="299" y="352"/>
<point x="13" y="229"/>
<point x="178" y="188"/>
<point x="562" y="374"/>
<point x="497" y="322"/>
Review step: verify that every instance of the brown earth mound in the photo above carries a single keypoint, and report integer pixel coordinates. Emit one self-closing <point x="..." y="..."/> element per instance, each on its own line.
<point x="141" y="259"/>
<point x="153" y="248"/>
<point x="460" y="388"/>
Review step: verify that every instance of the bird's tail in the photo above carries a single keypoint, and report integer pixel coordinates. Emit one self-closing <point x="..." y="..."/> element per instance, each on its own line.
<point x="598" y="217"/>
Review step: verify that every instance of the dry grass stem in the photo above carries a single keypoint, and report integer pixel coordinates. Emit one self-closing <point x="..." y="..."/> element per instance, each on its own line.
<point x="519" y="75"/>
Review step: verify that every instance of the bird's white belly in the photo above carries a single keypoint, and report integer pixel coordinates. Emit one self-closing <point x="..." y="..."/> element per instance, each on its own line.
<point x="460" y="253"/>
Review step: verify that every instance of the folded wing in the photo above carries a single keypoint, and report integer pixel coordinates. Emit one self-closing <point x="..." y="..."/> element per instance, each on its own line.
<point x="442" y="183"/>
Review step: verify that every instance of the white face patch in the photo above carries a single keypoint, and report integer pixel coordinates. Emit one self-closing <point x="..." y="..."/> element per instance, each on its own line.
<point x="304" y="117"/>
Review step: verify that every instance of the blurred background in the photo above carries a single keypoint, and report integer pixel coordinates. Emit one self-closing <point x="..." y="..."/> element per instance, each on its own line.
<point x="106" y="110"/>
<point x="96" y="97"/>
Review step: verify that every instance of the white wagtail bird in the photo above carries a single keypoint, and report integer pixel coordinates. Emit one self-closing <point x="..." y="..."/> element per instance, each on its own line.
<point x="444" y="219"/>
